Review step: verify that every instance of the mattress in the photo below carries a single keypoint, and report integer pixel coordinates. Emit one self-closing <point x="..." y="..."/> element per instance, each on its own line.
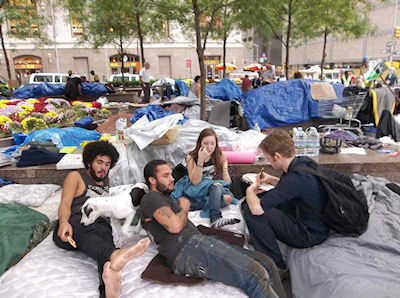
<point x="345" y="267"/>
<point x="48" y="271"/>
<point x="50" y="206"/>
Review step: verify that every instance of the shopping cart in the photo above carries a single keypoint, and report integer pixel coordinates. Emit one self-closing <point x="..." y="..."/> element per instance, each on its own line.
<point x="345" y="109"/>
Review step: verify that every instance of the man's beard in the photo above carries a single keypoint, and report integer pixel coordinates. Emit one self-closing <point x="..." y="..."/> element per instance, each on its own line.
<point x="163" y="189"/>
<point x="95" y="177"/>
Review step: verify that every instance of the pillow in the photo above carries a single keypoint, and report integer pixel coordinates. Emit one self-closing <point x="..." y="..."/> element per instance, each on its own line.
<point x="27" y="194"/>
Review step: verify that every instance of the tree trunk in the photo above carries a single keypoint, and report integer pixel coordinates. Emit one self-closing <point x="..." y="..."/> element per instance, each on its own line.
<point x="224" y="55"/>
<point x="122" y="53"/>
<point x="6" y="60"/>
<point x="140" y="40"/>
<point x="200" y="54"/>
<point x="323" y="54"/>
<point x="289" y="29"/>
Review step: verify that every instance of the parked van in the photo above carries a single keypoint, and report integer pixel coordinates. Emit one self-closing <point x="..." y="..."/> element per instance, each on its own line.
<point x="314" y="73"/>
<point x="127" y="77"/>
<point x="51" y="78"/>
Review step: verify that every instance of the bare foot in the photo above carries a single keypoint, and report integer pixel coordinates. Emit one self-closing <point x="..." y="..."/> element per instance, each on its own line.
<point x="112" y="281"/>
<point x="120" y="257"/>
<point x="228" y="199"/>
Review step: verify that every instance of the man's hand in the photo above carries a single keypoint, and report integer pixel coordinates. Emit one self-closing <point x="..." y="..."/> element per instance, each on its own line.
<point x="266" y="178"/>
<point x="202" y="155"/>
<point x="253" y="200"/>
<point x="254" y="189"/>
<point x="65" y="231"/>
<point x="184" y="203"/>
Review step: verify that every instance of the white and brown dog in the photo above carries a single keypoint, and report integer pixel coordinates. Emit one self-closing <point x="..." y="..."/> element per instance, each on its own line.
<point x="119" y="205"/>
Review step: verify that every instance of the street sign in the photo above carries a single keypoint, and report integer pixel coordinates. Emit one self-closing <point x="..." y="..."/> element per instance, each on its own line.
<point x="188" y="63"/>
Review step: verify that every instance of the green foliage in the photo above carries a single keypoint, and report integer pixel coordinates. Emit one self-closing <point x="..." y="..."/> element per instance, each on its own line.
<point x="345" y="19"/>
<point x="16" y="127"/>
<point x="27" y="21"/>
<point x="113" y="21"/>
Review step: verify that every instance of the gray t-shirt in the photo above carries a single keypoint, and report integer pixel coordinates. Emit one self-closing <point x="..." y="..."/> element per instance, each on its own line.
<point x="169" y="245"/>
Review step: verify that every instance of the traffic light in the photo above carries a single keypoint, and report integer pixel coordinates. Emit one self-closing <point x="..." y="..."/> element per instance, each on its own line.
<point x="397" y="32"/>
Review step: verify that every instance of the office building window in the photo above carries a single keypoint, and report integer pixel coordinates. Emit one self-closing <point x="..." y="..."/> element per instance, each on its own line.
<point x="23" y="26"/>
<point x="76" y="26"/>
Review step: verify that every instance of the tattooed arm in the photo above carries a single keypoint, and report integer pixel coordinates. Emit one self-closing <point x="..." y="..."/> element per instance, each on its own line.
<point x="171" y="221"/>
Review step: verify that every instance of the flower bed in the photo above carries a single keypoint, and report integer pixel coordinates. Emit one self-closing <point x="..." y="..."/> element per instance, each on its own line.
<point x="34" y="114"/>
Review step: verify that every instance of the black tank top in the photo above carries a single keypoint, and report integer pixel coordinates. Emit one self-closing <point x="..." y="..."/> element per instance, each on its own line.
<point x="91" y="190"/>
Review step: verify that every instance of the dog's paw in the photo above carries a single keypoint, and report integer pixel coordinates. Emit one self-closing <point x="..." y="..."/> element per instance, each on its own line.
<point x="127" y="232"/>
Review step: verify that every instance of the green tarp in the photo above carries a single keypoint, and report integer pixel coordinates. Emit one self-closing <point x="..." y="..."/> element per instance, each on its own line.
<point x="17" y="223"/>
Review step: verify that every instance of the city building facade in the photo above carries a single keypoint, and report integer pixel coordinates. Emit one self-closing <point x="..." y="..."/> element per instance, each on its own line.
<point x="340" y="53"/>
<point x="175" y="57"/>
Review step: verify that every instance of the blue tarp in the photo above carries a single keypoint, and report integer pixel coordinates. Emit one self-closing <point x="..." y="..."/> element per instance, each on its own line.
<point x="282" y="103"/>
<point x="93" y="89"/>
<point x="225" y="90"/>
<point x="39" y="90"/>
<point x="154" y="112"/>
<point x="46" y="89"/>
<point x="182" y="87"/>
<point x="61" y="137"/>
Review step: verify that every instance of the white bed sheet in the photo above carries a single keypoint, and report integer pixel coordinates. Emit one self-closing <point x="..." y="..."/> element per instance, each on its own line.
<point x="50" y="206"/>
<point x="49" y="271"/>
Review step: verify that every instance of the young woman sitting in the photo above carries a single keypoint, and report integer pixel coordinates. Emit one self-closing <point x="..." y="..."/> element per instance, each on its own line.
<point x="207" y="161"/>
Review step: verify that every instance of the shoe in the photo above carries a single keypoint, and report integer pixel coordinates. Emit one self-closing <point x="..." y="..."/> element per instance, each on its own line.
<point x="284" y="273"/>
<point x="220" y="222"/>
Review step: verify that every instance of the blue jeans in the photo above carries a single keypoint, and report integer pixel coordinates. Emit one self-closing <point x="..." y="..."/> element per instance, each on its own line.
<point x="216" y="200"/>
<point x="211" y="258"/>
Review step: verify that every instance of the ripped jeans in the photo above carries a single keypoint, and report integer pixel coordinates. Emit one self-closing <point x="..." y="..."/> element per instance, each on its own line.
<point x="209" y="257"/>
<point x="215" y="201"/>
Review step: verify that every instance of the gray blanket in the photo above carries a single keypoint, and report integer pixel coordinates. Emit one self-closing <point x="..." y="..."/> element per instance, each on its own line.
<point x="368" y="266"/>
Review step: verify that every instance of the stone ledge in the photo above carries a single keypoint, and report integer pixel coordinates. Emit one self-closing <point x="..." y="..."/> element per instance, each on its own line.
<point x="373" y="163"/>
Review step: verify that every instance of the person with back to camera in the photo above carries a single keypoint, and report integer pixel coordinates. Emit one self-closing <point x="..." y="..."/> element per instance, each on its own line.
<point x="73" y="87"/>
<point x="289" y="212"/>
<point x="207" y="161"/>
<point x="194" y="89"/>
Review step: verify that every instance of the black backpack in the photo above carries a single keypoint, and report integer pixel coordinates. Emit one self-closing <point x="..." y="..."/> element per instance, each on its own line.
<point x="346" y="210"/>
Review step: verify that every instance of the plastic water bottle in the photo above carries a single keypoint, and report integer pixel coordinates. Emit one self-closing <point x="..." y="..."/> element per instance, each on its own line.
<point x="313" y="141"/>
<point x="120" y="125"/>
<point x="302" y="141"/>
<point x="296" y="141"/>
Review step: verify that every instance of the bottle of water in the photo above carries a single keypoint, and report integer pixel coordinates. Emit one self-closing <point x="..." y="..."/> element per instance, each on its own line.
<point x="296" y="142"/>
<point x="302" y="141"/>
<point x="313" y="141"/>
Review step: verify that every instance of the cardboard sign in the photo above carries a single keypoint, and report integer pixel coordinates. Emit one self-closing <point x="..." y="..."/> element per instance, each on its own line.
<point x="375" y="71"/>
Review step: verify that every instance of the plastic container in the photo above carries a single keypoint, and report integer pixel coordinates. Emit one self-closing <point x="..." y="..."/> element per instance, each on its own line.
<point x="312" y="142"/>
<point x="296" y="141"/>
<point x="120" y="125"/>
<point x="301" y="142"/>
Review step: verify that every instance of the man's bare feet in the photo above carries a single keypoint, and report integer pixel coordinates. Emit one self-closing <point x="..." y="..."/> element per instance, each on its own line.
<point x="227" y="199"/>
<point x="120" y="257"/>
<point x="112" y="281"/>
